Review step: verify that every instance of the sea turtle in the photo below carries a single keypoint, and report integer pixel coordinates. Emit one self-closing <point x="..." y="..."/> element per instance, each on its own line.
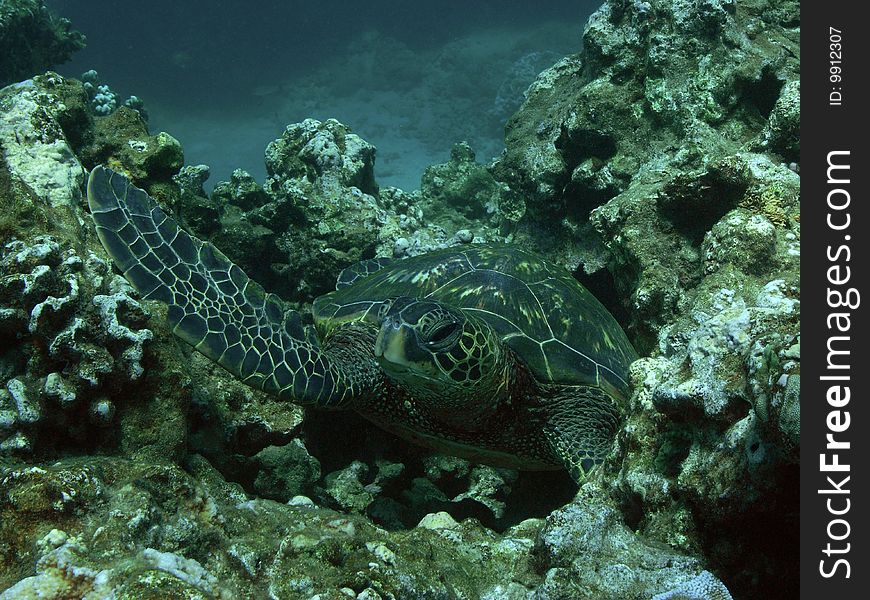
<point x="487" y="352"/>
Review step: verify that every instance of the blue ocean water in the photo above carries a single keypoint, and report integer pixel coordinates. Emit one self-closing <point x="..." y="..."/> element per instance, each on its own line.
<point x="411" y="77"/>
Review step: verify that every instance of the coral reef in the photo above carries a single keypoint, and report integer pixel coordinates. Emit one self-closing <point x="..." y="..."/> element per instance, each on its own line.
<point x="588" y="552"/>
<point x="160" y="531"/>
<point x="75" y="342"/>
<point x="104" y="101"/>
<point x="321" y="210"/>
<point x="121" y="139"/>
<point x="643" y="104"/>
<point x="469" y="195"/>
<point x="666" y="159"/>
<point x="659" y="165"/>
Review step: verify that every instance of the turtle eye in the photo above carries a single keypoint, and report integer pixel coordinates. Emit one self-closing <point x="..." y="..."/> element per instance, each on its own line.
<point x="442" y="333"/>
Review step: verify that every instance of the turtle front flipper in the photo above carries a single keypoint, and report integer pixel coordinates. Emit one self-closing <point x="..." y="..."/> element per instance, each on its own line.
<point x="581" y="426"/>
<point x="213" y="305"/>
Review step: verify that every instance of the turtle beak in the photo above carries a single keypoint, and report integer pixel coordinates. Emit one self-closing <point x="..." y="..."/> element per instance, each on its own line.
<point x="398" y="352"/>
<point x="390" y="343"/>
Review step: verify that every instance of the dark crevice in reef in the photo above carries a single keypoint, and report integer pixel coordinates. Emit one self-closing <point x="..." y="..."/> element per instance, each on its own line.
<point x="603" y="287"/>
<point x="741" y="548"/>
<point x="632" y="509"/>
<point x="585" y="188"/>
<point x="336" y="439"/>
<point x="763" y="93"/>
<point x="694" y="203"/>
<point x="575" y="146"/>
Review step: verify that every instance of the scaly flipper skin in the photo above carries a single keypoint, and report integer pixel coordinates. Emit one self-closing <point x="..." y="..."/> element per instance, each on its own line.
<point x="213" y="305"/>
<point x="580" y="428"/>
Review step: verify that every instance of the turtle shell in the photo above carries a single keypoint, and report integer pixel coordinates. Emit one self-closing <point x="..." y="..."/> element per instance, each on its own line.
<point x="554" y="324"/>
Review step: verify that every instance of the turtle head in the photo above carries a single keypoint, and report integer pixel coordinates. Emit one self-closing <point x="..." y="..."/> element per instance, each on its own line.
<point x="452" y="362"/>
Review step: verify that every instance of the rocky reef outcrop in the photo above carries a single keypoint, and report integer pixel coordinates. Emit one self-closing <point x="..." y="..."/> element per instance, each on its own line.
<point x="320" y="209"/>
<point x="663" y="156"/>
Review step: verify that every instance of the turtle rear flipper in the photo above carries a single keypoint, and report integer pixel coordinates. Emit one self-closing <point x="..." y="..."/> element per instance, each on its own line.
<point x="581" y="427"/>
<point x="213" y="305"/>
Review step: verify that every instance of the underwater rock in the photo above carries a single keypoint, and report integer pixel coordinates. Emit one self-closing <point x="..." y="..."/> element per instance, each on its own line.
<point x="191" y="178"/>
<point x="242" y="220"/>
<point x="709" y="442"/>
<point x="319" y="173"/>
<point x="121" y="140"/>
<point x="740" y="212"/>
<point x="461" y="184"/>
<point x="118" y="137"/>
<point x="439" y="520"/>
<point x="703" y="587"/>
<point x="635" y="154"/>
<point x="60" y="572"/>
<point x="782" y="133"/>
<point x="326" y="151"/>
<point x="198" y="211"/>
<point x="321" y="210"/>
<point x="285" y="471"/>
<point x="241" y="190"/>
<point x="586" y="548"/>
<point x="159" y="530"/>
<point x="726" y="333"/>
<point x="35" y="149"/>
<point x="230" y="424"/>
<point x="463" y="196"/>
<point x="741" y="239"/>
<point x="32" y="39"/>
<point x="639" y="103"/>
<point x="489" y="486"/>
<point x="346" y="487"/>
